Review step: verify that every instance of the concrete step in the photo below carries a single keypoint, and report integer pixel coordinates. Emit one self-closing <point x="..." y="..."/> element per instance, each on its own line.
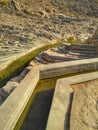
<point x="81" y="47"/>
<point x="85" y="52"/>
<point x="52" y="58"/>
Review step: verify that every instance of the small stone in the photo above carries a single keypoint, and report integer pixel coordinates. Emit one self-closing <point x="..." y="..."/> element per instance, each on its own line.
<point x="1" y="100"/>
<point x="29" y="68"/>
<point x="15" y="79"/>
<point x="7" y="89"/>
<point x="4" y="94"/>
<point x="24" y="72"/>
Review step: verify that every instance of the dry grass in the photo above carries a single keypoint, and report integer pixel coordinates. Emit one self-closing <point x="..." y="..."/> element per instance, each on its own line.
<point x="71" y="38"/>
<point x="17" y="66"/>
<point x="4" y="2"/>
<point x="89" y="41"/>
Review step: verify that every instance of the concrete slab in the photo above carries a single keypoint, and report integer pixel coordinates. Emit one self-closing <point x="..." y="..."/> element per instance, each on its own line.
<point x="71" y="67"/>
<point x="84" y="112"/>
<point x="59" y="114"/>
<point x="12" y="108"/>
<point x="59" y="117"/>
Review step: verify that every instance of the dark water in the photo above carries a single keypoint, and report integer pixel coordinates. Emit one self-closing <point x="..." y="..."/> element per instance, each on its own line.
<point x="37" y="117"/>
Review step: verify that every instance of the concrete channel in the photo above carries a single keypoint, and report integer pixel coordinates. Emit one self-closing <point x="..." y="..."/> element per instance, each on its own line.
<point x="60" y="111"/>
<point x="14" y="106"/>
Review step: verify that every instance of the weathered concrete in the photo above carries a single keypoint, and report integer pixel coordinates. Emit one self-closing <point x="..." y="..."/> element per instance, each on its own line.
<point x="95" y="36"/>
<point x="95" y="39"/>
<point x="59" y="116"/>
<point x="66" y="52"/>
<point x="8" y="89"/>
<point x="1" y="100"/>
<point x="81" y="47"/>
<point x="80" y="78"/>
<point x="84" y="112"/>
<point x="12" y="108"/>
<point x="71" y="67"/>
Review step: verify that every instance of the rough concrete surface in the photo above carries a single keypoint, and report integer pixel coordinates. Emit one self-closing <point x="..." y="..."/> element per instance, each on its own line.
<point x="60" y="109"/>
<point x="84" y="112"/>
<point x="12" y="108"/>
<point x="71" y="67"/>
<point x="82" y="108"/>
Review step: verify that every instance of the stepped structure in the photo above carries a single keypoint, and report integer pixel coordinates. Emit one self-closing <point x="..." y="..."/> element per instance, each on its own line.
<point x="58" y="90"/>
<point x="95" y="36"/>
<point x="71" y="102"/>
<point x="95" y="39"/>
<point x="73" y="109"/>
<point x="31" y="23"/>
<point x="66" y="52"/>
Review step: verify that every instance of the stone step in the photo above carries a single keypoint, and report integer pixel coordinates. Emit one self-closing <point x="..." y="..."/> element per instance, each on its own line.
<point x="1" y="100"/>
<point x="84" y="47"/>
<point x="72" y="49"/>
<point x="85" y="52"/>
<point x="66" y="56"/>
<point x="75" y="53"/>
<point x="53" y="58"/>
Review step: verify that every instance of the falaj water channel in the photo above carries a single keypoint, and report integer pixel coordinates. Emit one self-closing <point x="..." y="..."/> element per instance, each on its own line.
<point x="48" y="65"/>
<point x="43" y="96"/>
<point x="39" y="110"/>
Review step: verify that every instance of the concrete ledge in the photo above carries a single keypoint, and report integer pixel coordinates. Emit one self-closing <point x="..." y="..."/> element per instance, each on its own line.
<point x="60" y="108"/>
<point x="61" y="105"/>
<point x="70" y="67"/>
<point x="81" y="47"/>
<point x="84" y="110"/>
<point x="12" y="108"/>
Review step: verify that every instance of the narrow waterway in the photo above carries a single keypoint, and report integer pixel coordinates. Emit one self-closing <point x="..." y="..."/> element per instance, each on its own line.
<point x="38" y="113"/>
<point x="35" y="115"/>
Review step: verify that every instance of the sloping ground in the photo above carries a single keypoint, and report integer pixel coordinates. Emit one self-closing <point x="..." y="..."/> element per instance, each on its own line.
<point x="25" y="24"/>
<point x="95" y="36"/>
<point x="84" y="7"/>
